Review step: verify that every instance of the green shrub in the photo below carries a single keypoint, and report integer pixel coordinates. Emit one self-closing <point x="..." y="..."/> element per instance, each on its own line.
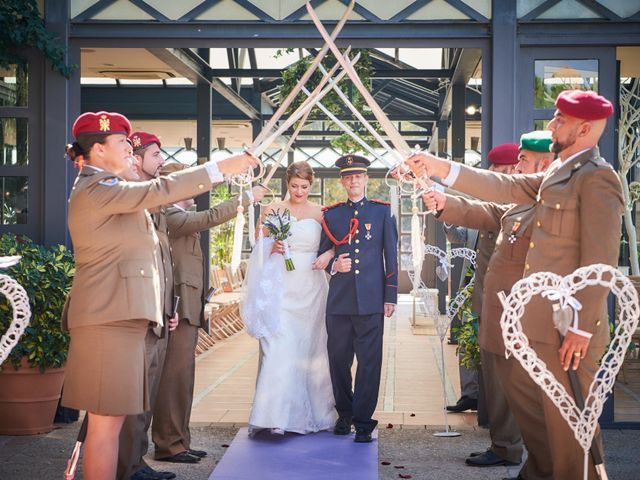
<point x="46" y="275"/>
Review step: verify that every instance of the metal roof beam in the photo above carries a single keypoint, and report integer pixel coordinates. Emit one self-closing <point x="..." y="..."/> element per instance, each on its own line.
<point x="188" y="64"/>
<point x="464" y="68"/>
<point x="387" y="73"/>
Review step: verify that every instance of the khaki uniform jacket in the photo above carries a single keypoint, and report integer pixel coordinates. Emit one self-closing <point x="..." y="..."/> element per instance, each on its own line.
<point x="184" y="235"/>
<point x="577" y="219"/>
<point x="506" y="265"/>
<point x="114" y="243"/>
<point x="484" y="249"/>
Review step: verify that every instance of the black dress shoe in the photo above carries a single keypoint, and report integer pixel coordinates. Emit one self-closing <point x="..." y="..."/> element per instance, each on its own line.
<point x="363" y="436"/>
<point x="197" y="453"/>
<point x="519" y="477"/>
<point x="487" y="459"/>
<point x="343" y="426"/>
<point x="465" y="403"/>
<point x="477" y="454"/>
<point x="148" y="473"/>
<point x="182" y="457"/>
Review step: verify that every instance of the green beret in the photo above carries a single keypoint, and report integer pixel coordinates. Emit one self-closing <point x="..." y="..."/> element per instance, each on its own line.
<point x="536" y="141"/>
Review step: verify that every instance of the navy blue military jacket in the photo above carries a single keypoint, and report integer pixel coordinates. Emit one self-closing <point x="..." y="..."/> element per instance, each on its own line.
<point x="373" y="250"/>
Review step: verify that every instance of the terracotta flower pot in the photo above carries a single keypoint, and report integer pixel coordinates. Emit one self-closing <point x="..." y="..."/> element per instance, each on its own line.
<point x="28" y="399"/>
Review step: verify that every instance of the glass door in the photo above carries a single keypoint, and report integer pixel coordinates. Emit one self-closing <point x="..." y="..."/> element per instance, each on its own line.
<point x="544" y="72"/>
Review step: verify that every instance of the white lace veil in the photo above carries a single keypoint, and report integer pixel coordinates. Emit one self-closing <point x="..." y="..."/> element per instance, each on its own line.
<point x="261" y="291"/>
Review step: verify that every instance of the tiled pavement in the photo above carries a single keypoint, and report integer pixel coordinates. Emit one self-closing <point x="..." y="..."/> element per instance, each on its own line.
<point x="411" y="393"/>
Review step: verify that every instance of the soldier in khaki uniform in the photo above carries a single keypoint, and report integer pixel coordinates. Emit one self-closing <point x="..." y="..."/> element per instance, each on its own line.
<point x="115" y="292"/>
<point x="503" y="159"/>
<point x="505" y="267"/>
<point x="577" y="207"/>
<point x="172" y="411"/>
<point x="134" y="441"/>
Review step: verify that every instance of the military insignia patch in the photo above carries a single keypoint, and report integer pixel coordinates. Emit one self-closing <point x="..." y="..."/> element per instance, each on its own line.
<point x="136" y="141"/>
<point x="349" y="161"/>
<point x="105" y="123"/>
<point x="109" y="182"/>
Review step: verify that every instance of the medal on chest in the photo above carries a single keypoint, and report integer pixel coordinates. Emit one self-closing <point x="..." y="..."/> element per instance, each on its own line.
<point x="367" y="226"/>
<point x="512" y="237"/>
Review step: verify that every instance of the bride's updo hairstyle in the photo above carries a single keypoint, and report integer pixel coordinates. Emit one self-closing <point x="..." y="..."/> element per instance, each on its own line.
<point x="299" y="170"/>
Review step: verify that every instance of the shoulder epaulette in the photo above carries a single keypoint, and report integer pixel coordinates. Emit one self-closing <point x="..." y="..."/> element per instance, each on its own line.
<point x="381" y="202"/>
<point x="329" y="207"/>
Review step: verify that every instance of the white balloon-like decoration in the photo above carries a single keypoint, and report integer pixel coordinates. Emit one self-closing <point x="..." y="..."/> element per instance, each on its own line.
<point x="19" y="301"/>
<point x="463" y="293"/>
<point x="583" y="422"/>
<point x="442" y="323"/>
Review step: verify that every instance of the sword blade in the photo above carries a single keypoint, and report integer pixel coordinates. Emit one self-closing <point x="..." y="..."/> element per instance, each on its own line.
<point x="305" y="77"/>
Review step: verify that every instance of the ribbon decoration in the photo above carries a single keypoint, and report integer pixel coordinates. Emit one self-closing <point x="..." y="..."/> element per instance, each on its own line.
<point x="566" y="300"/>
<point x="417" y="246"/>
<point x="238" y="233"/>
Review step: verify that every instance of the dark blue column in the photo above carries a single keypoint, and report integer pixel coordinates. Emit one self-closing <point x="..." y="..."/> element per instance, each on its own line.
<point x="55" y="179"/>
<point x="203" y="133"/>
<point x="504" y="88"/>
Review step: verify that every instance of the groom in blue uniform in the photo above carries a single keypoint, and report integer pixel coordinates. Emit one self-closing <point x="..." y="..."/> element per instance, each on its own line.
<point x="362" y="290"/>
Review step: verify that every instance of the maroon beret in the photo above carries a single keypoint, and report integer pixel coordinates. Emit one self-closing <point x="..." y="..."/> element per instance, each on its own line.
<point x="505" y="154"/>
<point x="107" y="123"/>
<point x="586" y="105"/>
<point x="141" y="140"/>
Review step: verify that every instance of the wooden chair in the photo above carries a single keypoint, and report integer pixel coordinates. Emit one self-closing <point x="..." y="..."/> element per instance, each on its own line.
<point x="224" y="308"/>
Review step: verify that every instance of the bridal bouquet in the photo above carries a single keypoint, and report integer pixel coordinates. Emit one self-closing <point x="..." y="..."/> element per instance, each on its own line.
<point x="278" y="223"/>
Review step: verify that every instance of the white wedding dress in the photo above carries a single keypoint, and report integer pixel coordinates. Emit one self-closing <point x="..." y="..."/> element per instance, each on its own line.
<point x="286" y="312"/>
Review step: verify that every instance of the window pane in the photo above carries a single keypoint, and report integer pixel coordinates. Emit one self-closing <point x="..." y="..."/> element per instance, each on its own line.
<point x="405" y="262"/>
<point x="405" y="224"/>
<point x="377" y="189"/>
<point x="333" y="191"/>
<point x="405" y="243"/>
<point x="540" y="124"/>
<point x="14" y="87"/>
<point x="14" y="140"/>
<point x="554" y="76"/>
<point x="14" y="192"/>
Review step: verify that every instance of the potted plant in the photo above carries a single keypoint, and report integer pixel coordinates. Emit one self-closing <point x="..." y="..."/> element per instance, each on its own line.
<point x="31" y="377"/>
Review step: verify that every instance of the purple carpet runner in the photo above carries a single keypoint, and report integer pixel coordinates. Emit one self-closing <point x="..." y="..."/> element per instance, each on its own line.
<point x="317" y="456"/>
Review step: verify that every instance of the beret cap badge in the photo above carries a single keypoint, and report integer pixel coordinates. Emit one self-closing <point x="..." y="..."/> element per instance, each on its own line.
<point x="105" y="123"/>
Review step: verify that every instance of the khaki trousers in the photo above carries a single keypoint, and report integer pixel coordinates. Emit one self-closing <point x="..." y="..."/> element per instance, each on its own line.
<point x="506" y="439"/>
<point x="134" y="441"/>
<point x="554" y="453"/>
<point x="172" y="411"/>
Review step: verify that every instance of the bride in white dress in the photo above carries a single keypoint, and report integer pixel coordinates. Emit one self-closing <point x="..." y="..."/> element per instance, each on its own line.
<point x="285" y="310"/>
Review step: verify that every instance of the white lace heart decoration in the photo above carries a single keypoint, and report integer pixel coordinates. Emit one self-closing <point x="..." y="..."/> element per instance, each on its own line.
<point x="582" y="422"/>
<point x="19" y="301"/>
<point x="443" y="322"/>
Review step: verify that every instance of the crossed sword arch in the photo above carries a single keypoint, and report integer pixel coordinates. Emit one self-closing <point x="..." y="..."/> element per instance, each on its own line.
<point x="398" y="151"/>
